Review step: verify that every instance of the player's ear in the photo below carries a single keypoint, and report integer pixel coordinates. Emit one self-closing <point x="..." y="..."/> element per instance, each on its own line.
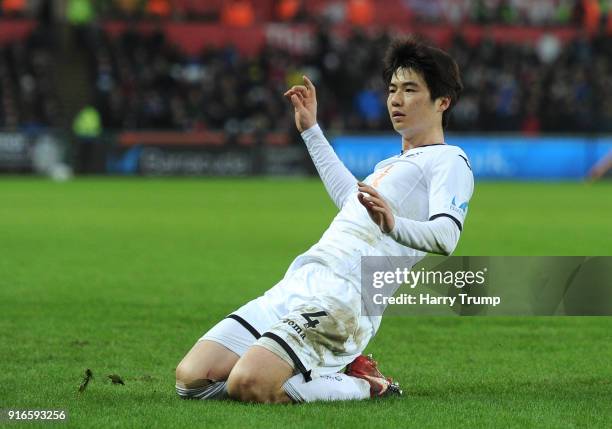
<point x="443" y="103"/>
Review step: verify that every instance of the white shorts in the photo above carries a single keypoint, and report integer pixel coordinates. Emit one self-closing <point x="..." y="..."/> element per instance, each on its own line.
<point x="311" y="318"/>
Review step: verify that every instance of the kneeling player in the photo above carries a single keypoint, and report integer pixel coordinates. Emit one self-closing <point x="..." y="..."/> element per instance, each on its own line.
<point x="293" y="343"/>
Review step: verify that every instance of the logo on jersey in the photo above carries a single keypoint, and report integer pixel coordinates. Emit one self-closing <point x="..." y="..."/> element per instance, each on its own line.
<point x="461" y="208"/>
<point x="298" y="329"/>
<point x="311" y="322"/>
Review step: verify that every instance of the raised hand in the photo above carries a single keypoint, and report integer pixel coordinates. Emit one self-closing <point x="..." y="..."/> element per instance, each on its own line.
<point x="304" y="100"/>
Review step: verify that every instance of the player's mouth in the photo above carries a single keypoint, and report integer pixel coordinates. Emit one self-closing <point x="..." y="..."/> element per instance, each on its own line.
<point x="397" y="115"/>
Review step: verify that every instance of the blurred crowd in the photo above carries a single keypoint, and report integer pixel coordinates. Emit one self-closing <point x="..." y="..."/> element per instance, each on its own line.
<point x="511" y="12"/>
<point x="363" y="12"/>
<point x="531" y="89"/>
<point x="144" y="82"/>
<point x="28" y="95"/>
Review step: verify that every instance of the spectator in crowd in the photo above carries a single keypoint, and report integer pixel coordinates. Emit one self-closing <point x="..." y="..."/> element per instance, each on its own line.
<point x="238" y="13"/>
<point x="360" y="12"/>
<point x="289" y="10"/>
<point x="13" y="8"/>
<point x="159" y="8"/>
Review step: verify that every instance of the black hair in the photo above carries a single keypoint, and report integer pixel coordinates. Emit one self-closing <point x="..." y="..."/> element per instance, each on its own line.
<point x="439" y="69"/>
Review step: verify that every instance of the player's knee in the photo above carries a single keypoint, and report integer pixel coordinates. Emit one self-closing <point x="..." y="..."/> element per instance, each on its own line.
<point x="242" y="386"/>
<point x="189" y="376"/>
<point x="247" y="387"/>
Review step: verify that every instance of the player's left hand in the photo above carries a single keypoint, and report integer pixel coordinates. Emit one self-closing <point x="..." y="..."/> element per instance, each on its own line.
<point x="304" y="100"/>
<point x="377" y="207"/>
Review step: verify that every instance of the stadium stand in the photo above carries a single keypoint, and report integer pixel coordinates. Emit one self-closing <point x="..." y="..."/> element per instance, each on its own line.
<point x="509" y="85"/>
<point x="172" y="65"/>
<point x="28" y="94"/>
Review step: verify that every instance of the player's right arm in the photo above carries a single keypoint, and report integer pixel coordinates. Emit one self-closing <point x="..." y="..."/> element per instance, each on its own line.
<point x="338" y="180"/>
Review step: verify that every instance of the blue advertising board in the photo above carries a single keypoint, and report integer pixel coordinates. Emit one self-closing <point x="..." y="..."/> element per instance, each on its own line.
<point x="492" y="157"/>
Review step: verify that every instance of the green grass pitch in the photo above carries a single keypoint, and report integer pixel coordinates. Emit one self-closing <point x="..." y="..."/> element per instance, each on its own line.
<point x="123" y="275"/>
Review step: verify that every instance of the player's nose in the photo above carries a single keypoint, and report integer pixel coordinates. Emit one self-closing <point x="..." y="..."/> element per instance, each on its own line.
<point x="395" y="99"/>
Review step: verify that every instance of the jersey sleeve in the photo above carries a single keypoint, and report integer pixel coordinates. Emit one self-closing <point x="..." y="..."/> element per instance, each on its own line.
<point x="450" y="187"/>
<point x="338" y="180"/>
<point x="435" y="236"/>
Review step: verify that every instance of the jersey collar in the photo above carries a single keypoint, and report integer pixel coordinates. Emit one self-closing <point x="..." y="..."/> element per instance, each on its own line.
<point x="425" y="145"/>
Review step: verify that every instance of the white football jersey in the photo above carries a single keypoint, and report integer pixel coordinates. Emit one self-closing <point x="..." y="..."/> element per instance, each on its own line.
<point x="420" y="184"/>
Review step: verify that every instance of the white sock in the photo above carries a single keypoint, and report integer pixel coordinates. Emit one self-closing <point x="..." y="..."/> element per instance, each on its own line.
<point x="215" y="390"/>
<point x="334" y="387"/>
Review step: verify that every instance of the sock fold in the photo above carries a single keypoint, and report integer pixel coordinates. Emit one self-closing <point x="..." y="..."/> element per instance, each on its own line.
<point x="215" y="390"/>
